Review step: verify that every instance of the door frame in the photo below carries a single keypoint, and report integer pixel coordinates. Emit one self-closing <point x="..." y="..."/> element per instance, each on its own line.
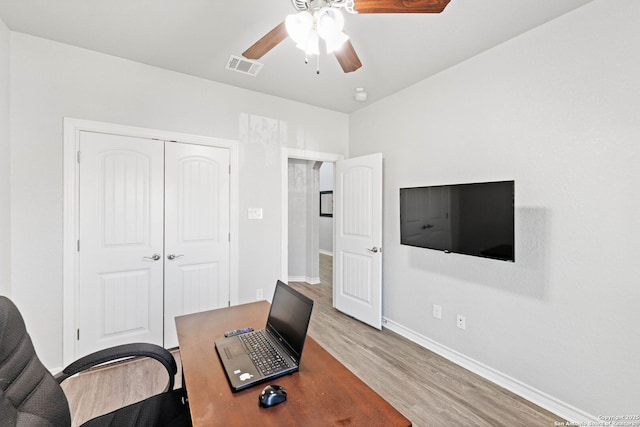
<point x="70" y="233"/>
<point x="286" y="154"/>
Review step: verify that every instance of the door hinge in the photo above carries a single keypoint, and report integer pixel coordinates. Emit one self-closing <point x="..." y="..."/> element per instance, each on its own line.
<point x="78" y="334"/>
<point x="78" y="245"/>
<point x="229" y="237"/>
<point x="78" y="156"/>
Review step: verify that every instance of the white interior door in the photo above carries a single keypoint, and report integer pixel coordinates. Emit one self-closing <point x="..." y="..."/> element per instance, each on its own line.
<point x="358" y="244"/>
<point x="121" y="241"/>
<point x="196" y="231"/>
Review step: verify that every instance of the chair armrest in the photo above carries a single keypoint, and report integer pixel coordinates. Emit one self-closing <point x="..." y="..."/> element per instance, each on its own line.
<point x="125" y="351"/>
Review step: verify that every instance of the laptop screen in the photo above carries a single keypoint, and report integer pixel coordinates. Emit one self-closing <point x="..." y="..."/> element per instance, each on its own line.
<point x="289" y="318"/>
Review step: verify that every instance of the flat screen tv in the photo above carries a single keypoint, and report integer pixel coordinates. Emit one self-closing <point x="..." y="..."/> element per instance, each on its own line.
<point x="472" y="219"/>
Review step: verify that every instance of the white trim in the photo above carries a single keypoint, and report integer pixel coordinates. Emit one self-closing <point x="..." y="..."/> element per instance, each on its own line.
<point x="72" y="129"/>
<point x="305" y="279"/>
<point x="55" y="371"/>
<point x="562" y="409"/>
<point x="69" y="238"/>
<point x="286" y="154"/>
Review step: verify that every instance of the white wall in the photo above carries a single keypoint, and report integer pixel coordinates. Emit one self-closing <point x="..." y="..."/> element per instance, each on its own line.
<point x="556" y="109"/>
<point x="50" y="81"/>
<point x="5" y="155"/>
<point x="303" y="219"/>
<point x="326" y="223"/>
<point x="297" y="218"/>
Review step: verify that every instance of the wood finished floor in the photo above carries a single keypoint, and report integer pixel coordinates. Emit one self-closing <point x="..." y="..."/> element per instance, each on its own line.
<point x="426" y="388"/>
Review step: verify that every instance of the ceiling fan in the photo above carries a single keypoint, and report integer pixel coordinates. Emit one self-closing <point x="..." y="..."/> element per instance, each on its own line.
<point x="317" y="20"/>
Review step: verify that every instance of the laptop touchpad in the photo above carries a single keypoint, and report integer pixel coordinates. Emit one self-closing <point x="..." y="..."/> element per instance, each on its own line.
<point x="234" y="351"/>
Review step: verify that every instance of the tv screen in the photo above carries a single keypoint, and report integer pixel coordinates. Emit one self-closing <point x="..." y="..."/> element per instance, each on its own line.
<point x="472" y="219"/>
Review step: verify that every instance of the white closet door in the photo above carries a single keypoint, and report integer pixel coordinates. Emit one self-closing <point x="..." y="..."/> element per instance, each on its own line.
<point x="121" y="241"/>
<point x="196" y="231"/>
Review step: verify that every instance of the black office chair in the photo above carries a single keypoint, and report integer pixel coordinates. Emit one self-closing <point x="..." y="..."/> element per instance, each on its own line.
<point x="31" y="396"/>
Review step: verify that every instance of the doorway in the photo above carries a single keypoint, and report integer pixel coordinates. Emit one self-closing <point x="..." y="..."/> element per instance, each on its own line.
<point x="310" y="221"/>
<point x="316" y="159"/>
<point x="357" y="246"/>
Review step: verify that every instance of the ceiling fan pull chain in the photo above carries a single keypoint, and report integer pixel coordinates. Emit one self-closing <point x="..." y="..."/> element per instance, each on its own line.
<point x="318" y="64"/>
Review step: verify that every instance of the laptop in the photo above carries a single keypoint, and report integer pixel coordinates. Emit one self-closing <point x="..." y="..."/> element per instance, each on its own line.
<point x="283" y="336"/>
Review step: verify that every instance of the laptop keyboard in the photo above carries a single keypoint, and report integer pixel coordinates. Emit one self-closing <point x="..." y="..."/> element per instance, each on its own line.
<point x="262" y="353"/>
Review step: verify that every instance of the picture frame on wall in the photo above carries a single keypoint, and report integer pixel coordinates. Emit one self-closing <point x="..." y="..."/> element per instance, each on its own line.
<point x="326" y="203"/>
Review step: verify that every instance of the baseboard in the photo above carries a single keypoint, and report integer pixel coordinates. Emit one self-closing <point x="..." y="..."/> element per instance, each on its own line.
<point x="312" y="280"/>
<point x="550" y="403"/>
<point x="305" y="279"/>
<point x="323" y="252"/>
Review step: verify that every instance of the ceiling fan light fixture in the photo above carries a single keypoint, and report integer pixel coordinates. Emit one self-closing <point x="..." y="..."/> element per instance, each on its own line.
<point x="334" y="43"/>
<point x="329" y="22"/>
<point x="298" y="26"/>
<point x="312" y="45"/>
<point x="306" y="30"/>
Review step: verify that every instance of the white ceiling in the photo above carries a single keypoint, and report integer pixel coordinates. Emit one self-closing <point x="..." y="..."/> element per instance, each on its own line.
<point x="196" y="37"/>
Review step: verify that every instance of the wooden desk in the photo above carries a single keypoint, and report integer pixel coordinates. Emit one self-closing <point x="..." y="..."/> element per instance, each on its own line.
<point x="323" y="393"/>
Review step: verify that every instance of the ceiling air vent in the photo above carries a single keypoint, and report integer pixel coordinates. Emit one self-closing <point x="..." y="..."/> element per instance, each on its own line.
<point x="243" y="65"/>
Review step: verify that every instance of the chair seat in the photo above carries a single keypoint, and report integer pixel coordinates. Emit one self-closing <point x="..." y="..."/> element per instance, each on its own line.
<point x="31" y="397"/>
<point x="163" y="410"/>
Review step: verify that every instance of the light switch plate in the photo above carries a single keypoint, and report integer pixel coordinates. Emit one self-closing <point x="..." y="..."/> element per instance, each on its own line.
<point x="254" y="213"/>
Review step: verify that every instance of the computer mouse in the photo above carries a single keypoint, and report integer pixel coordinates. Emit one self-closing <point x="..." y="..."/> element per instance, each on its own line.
<point x="272" y="395"/>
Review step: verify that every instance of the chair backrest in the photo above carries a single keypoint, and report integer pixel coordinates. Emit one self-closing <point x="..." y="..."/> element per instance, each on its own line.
<point x="29" y="395"/>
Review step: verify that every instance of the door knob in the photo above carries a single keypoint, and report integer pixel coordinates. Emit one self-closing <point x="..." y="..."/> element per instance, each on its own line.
<point x="154" y="257"/>
<point x="171" y="257"/>
<point x="373" y="250"/>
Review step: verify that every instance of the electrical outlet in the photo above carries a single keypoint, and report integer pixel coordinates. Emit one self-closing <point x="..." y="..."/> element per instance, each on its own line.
<point x="461" y="322"/>
<point x="437" y="311"/>
<point x="259" y="296"/>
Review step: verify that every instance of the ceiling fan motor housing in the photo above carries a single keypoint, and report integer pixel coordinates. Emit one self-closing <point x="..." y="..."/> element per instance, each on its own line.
<point x="303" y="5"/>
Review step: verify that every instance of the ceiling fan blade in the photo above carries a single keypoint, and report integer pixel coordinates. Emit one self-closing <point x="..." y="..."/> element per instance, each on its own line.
<point x="348" y="58"/>
<point x="400" y="6"/>
<point x="267" y="42"/>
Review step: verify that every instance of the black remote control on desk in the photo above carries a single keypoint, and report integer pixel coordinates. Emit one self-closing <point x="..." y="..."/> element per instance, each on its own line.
<point x="237" y="332"/>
